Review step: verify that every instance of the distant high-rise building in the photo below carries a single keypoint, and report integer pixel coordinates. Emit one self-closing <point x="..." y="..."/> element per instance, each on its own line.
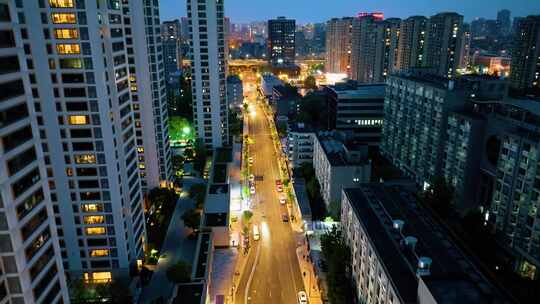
<point x="208" y="68"/>
<point x="99" y="101"/>
<point x="412" y="40"/>
<point x="504" y="22"/>
<point x="281" y="42"/>
<point x="465" y="54"/>
<point x="338" y="45"/>
<point x="184" y="28"/>
<point x="172" y="53"/>
<point x="443" y="43"/>
<point x="32" y="270"/>
<point x="374" y="52"/>
<point x="525" y="67"/>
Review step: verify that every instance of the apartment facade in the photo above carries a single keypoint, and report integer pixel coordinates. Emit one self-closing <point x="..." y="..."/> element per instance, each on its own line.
<point x="299" y="144"/>
<point x="357" y="108"/>
<point x="443" y="46"/>
<point x="412" y="37"/>
<point x="32" y="270"/>
<point x="525" y="73"/>
<point x="208" y="68"/>
<point x="338" y="45"/>
<point x="374" y="48"/>
<point x="339" y="164"/>
<point x="96" y="72"/>
<point x="401" y="255"/>
<point x="235" y="93"/>
<point x="172" y="51"/>
<point x="281" y="42"/>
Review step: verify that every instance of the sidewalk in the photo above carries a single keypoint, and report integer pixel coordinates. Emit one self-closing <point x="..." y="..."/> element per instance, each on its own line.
<point x="308" y="277"/>
<point x="176" y="246"/>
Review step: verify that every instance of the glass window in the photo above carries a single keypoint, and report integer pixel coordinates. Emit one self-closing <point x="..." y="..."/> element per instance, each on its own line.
<point x="71" y="63"/>
<point x="78" y="119"/>
<point x="97" y="277"/>
<point x="94" y="219"/>
<point x="68" y="18"/>
<point x="68" y="48"/>
<point x="95" y="230"/>
<point x="66" y="33"/>
<point x="99" y="253"/>
<point x="85" y="159"/>
<point x="92" y="207"/>
<point x="61" y="3"/>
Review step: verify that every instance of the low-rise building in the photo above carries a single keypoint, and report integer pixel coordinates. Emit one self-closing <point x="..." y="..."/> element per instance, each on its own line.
<point x="284" y="102"/>
<point x="268" y="82"/>
<point x="358" y="108"/>
<point x="235" y="92"/>
<point x="401" y="255"/>
<point x="339" y="164"/>
<point x="299" y="144"/>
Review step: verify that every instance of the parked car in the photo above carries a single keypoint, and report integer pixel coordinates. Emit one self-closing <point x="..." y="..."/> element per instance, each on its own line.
<point x="285" y="217"/>
<point x="282" y="200"/>
<point x="302" y="297"/>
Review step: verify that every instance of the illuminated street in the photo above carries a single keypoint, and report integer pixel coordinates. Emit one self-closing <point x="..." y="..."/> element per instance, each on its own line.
<point x="276" y="277"/>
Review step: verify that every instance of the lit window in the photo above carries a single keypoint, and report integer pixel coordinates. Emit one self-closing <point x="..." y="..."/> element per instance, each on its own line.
<point x="94" y="219"/>
<point x="97" y="277"/>
<point x="140" y="149"/>
<point x="78" y="119"/>
<point x="95" y="230"/>
<point x="63" y="18"/>
<point x="99" y="253"/>
<point x="68" y="48"/>
<point x="61" y="3"/>
<point x="65" y="33"/>
<point x="92" y="207"/>
<point x="85" y="159"/>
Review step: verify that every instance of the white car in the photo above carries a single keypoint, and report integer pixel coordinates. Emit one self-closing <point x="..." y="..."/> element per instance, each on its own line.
<point x="282" y="200"/>
<point x="302" y="297"/>
<point x="251" y="160"/>
<point x="252" y="190"/>
<point x="251" y="178"/>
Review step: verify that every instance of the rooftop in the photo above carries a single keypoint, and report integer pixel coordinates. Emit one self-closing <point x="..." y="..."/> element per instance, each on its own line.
<point x="452" y="279"/>
<point x="336" y="149"/>
<point x="302" y="198"/>
<point x="191" y="293"/>
<point x="351" y="89"/>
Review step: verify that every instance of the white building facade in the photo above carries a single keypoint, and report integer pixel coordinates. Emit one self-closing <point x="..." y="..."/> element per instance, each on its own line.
<point x="95" y="72"/>
<point x="208" y="66"/>
<point x="32" y="270"/>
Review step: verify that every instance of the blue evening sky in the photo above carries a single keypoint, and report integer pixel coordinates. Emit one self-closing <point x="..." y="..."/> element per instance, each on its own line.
<point x="305" y="11"/>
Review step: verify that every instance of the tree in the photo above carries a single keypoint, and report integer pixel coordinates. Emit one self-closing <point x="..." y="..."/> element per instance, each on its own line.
<point x="192" y="219"/>
<point x="338" y="258"/>
<point x="335" y="210"/>
<point x="179" y="272"/>
<point x="310" y="83"/>
<point x="246" y="216"/>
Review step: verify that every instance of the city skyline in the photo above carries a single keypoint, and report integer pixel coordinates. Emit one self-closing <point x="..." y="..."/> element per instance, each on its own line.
<point x="242" y="12"/>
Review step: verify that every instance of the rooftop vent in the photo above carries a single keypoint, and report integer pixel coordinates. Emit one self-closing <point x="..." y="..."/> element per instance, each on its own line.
<point x="398" y="225"/>
<point x="410" y="242"/>
<point x="424" y="265"/>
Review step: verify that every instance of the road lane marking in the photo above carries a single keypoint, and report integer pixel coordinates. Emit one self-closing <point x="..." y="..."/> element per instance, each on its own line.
<point x="252" y="273"/>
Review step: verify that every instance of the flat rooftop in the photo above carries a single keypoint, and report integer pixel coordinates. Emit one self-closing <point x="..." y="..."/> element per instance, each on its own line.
<point x="453" y="278"/>
<point x="359" y="91"/>
<point x="191" y="293"/>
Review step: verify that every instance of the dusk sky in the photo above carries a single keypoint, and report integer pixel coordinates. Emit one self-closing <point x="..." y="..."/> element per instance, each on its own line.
<point x="321" y="10"/>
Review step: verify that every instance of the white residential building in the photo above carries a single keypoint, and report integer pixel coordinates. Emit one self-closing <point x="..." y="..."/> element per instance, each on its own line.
<point x="31" y="269"/>
<point x="339" y="164"/>
<point x="299" y="144"/>
<point x="208" y="64"/>
<point x="99" y="99"/>
<point x="399" y="254"/>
